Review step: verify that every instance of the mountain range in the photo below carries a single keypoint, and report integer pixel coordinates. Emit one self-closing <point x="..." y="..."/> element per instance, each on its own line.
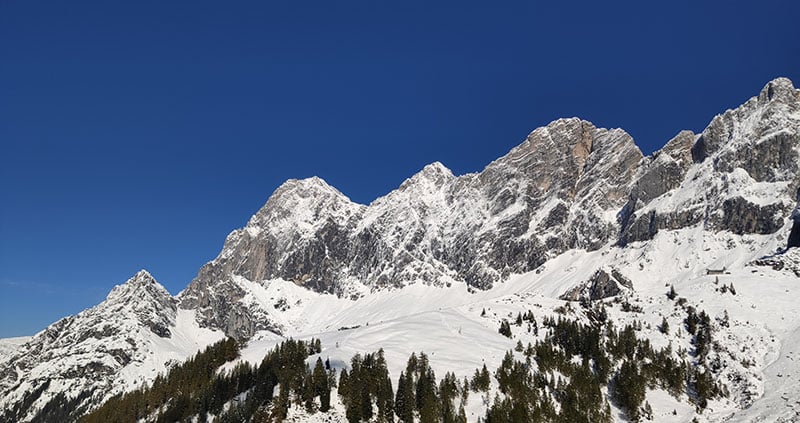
<point x="573" y="213"/>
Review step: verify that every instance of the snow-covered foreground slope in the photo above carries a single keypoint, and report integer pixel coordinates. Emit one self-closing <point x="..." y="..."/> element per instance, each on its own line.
<point x="757" y="351"/>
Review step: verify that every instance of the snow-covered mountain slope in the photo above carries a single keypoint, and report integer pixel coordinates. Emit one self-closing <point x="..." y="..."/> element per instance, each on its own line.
<point x="112" y="347"/>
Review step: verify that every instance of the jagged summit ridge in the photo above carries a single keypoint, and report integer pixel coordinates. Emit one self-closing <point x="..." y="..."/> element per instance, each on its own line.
<point x="741" y="178"/>
<point x="140" y="286"/>
<point x="567" y="185"/>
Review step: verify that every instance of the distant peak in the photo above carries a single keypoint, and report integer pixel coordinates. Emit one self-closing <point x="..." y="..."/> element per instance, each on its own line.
<point x="569" y="121"/>
<point x="142" y="280"/>
<point x="780" y="89"/>
<point x="435" y="172"/>
<point x="143" y="275"/>
<point x="312" y="182"/>
<point x="305" y="188"/>
<point x="436" y="168"/>
<point x="563" y="128"/>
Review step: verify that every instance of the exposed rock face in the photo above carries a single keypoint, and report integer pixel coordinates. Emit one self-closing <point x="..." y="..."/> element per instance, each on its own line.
<point x="600" y="285"/>
<point x="794" y="236"/>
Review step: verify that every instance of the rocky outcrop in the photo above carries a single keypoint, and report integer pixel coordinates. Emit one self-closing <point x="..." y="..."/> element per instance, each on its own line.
<point x="601" y="285"/>
<point x="794" y="236"/>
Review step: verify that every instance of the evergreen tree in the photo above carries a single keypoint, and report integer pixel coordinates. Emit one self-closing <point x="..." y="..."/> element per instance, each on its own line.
<point x="629" y="389"/>
<point x="505" y="328"/>
<point x="344" y="384"/>
<point x="462" y="415"/>
<point x="427" y="398"/>
<point x="664" y="327"/>
<point x="308" y="392"/>
<point x="404" y="401"/>
<point x="281" y="408"/>
<point x="320" y="386"/>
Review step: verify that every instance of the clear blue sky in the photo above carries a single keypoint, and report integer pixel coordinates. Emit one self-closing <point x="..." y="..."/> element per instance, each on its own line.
<point x="138" y="134"/>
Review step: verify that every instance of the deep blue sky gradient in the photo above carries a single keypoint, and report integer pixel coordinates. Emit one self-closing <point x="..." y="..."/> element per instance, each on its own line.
<point x="138" y="134"/>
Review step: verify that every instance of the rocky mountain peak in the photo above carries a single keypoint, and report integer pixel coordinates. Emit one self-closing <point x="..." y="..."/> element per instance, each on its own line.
<point x="435" y="173"/>
<point x="140" y="287"/>
<point x="309" y="200"/>
<point x="143" y="298"/>
<point x="569" y="137"/>
<point x="95" y="348"/>
<point x="780" y="90"/>
<point x="299" y="189"/>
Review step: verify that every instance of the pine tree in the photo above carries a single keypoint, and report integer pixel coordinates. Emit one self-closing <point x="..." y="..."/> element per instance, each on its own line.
<point x="664" y="328"/>
<point x="325" y="401"/>
<point x="384" y="395"/>
<point x="505" y="328"/>
<point x="344" y="384"/>
<point x="320" y="386"/>
<point x="427" y="398"/>
<point x="308" y="392"/>
<point x="481" y="379"/>
<point x="462" y="415"/>
<point x="281" y="407"/>
<point x="404" y="400"/>
<point x="629" y="389"/>
<point x="365" y="402"/>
